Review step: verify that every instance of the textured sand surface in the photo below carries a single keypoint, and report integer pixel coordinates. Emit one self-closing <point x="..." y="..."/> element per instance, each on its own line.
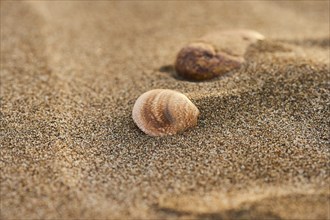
<point x="71" y="72"/>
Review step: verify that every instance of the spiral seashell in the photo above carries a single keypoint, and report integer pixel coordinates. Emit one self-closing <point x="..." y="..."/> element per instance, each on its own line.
<point x="214" y="54"/>
<point x="161" y="112"/>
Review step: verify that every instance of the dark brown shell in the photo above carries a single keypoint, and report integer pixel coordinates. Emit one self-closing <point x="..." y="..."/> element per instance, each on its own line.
<point x="214" y="54"/>
<point x="163" y="112"/>
<point x="201" y="62"/>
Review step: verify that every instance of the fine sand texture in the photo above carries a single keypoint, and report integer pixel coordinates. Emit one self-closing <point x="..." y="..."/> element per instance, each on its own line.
<point x="72" y="70"/>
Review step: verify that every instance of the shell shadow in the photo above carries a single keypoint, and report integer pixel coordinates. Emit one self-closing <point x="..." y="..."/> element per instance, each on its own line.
<point x="170" y="70"/>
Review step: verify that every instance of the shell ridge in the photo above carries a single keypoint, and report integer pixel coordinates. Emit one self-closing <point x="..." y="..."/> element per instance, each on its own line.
<point x="164" y="112"/>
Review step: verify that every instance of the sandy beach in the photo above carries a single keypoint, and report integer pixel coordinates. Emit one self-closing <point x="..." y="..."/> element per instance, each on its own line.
<point x="72" y="70"/>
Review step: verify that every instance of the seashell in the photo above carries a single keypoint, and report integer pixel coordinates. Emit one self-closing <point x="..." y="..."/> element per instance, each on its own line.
<point x="214" y="54"/>
<point x="199" y="61"/>
<point x="161" y="112"/>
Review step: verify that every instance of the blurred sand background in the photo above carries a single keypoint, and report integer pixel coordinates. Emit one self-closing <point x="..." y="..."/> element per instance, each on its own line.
<point x="72" y="70"/>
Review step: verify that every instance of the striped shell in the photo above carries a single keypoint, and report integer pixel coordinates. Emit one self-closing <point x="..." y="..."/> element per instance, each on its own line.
<point x="163" y="112"/>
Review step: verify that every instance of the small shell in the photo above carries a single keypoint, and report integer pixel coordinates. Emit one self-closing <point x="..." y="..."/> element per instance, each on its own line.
<point x="214" y="54"/>
<point x="163" y="112"/>
<point x="199" y="61"/>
